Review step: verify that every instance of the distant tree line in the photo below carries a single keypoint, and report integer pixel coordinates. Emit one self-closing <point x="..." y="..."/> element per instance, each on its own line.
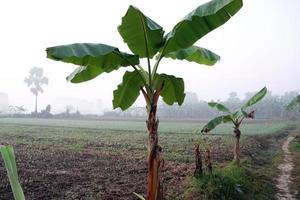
<point x="272" y="107"/>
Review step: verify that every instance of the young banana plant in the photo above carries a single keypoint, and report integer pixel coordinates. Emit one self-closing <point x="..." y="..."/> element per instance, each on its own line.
<point x="146" y="39"/>
<point x="236" y="117"/>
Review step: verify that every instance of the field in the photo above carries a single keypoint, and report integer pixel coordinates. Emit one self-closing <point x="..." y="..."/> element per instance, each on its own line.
<point x="81" y="159"/>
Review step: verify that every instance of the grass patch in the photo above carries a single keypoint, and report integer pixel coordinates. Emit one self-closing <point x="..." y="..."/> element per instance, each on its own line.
<point x="232" y="182"/>
<point x="296" y="144"/>
<point x="252" y="180"/>
<point x="295" y="148"/>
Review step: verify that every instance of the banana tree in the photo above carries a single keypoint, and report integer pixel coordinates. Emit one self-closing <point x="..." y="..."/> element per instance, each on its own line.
<point x="236" y="117"/>
<point x="146" y="39"/>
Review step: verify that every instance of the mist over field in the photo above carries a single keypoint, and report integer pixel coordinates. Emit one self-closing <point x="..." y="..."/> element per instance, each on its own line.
<point x="258" y="48"/>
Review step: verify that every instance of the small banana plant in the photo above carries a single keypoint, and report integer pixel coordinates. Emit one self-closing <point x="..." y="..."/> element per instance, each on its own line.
<point x="202" y="150"/>
<point x="236" y="117"/>
<point x="8" y="156"/>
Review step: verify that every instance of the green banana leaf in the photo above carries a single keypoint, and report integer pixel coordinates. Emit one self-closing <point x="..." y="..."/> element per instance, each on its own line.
<point x="256" y="98"/>
<point x="94" y="59"/>
<point x="219" y="107"/>
<point x="173" y="89"/>
<point x="195" y="54"/>
<point x="199" y="22"/>
<point x="212" y="124"/>
<point x="128" y="91"/>
<point x="143" y="36"/>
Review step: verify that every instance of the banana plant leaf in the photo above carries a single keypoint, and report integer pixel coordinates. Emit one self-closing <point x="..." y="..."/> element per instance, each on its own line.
<point x="128" y="91"/>
<point x="199" y="22"/>
<point x="195" y="54"/>
<point x="219" y="107"/>
<point x="143" y="36"/>
<point x="173" y="88"/>
<point x="94" y="59"/>
<point x="256" y="98"/>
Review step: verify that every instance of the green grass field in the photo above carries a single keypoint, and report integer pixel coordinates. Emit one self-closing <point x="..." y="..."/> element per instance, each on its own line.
<point x="259" y="128"/>
<point x="108" y="157"/>
<point x="115" y="136"/>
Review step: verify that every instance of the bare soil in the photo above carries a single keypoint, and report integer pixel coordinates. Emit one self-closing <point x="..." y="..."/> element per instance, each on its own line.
<point x="53" y="171"/>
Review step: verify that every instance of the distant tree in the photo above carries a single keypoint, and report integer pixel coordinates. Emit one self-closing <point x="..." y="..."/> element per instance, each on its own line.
<point x="191" y="98"/>
<point x="34" y="81"/>
<point x="236" y="117"/>
<point x="48" y="108"/>
<point x="69" y="109"/>
<point x="233" y="101"/>
<point x="46" y="112"/>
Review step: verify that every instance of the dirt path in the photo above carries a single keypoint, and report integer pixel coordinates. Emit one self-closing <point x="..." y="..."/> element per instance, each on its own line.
<point x="284" y="179"/>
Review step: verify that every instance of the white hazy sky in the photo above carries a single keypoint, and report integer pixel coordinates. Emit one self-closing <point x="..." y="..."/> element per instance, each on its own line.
<point x="259" y="46"/>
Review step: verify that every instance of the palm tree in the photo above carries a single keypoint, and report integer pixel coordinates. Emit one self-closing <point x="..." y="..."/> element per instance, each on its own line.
<point x="34" y="81"/>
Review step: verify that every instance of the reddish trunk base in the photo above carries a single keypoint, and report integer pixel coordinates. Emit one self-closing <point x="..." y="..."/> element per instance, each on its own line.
<point x="155" y="162"/>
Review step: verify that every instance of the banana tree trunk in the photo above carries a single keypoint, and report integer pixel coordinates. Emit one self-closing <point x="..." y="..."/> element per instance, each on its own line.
<point x="155" y="161"/>
<point x="198" y="170"/>
<point x="236" y="149"/>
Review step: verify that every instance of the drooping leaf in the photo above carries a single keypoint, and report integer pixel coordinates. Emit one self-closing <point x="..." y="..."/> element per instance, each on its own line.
<point x="96" y="59"/>
<point x="219" y="107"/>
<point x="195" y="54"/>
<point x="212" y="124"/>
<point x="173" y="89"/>
<point x="199" y="22"/>
<point x="83" y="73"/>
<point x="256" y="98"/>
<point x="8" y="156"/>
<point x="128" y="91"/>
<point x="143" y="36"/>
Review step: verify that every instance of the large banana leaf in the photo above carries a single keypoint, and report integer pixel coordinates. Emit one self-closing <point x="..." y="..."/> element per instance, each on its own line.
<point x="195" y="54"/>
<point x="143" y="36"/>
<point x="95" y="59"/>
<point x="199" y="22"/>
<point x="8" y="156"/>
<point x="256" y="98"/>
<point x="173" y="88"/>
<point x="219" y="107"/>
<point x="128" y="91"/>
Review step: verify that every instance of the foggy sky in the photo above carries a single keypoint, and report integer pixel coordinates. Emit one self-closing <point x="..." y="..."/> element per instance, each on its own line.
<point x="259" y="47"/>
